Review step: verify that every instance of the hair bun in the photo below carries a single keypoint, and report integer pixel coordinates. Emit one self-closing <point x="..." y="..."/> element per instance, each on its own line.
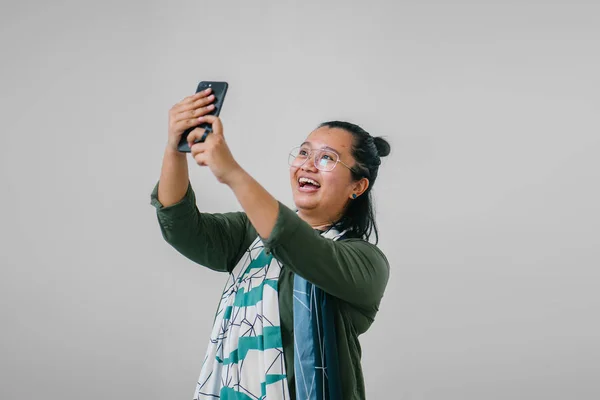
<point x="383" y="147"/>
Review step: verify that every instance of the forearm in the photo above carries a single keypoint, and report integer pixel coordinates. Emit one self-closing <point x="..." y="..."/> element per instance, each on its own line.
<point x="174" y="177"/>
<point x="260" y="207"/>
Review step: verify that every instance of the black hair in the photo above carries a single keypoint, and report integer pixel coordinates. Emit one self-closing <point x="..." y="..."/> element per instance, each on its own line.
<point x="359" y="216"/>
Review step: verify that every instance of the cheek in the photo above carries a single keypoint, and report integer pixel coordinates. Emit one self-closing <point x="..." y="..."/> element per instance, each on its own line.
<point x="334" y="183"/>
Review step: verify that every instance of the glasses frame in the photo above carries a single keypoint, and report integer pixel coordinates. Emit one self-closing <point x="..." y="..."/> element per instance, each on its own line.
<point x="312" y="153"/>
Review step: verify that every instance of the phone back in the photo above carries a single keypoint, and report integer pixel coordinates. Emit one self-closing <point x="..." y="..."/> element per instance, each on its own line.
<point x="219" y="90"/>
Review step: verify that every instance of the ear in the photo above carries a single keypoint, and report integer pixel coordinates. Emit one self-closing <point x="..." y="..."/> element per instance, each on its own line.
<point x="359" y="187"/>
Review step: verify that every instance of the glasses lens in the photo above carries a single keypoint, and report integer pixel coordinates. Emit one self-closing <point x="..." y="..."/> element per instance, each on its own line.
<point x="298" y="156"/>
<point x="325" y="160"/>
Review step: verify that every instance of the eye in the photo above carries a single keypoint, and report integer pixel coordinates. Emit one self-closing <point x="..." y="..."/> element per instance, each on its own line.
<point x="303" y="152"/>
<point x="328" y="156"/>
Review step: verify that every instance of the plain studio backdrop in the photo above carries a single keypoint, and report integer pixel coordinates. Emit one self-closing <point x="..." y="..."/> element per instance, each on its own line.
<point x="487" y="206"/>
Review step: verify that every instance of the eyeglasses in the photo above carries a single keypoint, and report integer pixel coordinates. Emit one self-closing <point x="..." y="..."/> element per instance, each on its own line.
<point x="325" y="159"/>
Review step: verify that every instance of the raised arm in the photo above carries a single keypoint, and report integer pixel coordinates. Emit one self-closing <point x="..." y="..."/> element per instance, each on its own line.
<point x="213" y="240"/>
<point x="174" y="175"/>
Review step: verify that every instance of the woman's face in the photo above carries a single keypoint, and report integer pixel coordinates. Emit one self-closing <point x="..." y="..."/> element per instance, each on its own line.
<point x="325" y="202"/>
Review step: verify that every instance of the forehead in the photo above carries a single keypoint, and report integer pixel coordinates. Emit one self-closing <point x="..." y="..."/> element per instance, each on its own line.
<point x="335" y="138"/>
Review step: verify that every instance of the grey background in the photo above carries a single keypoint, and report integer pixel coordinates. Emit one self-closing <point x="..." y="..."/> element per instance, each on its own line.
<point x="488" y="205"/>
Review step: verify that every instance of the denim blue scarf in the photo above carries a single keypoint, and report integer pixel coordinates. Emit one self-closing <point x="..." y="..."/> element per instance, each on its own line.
<point x="316" y="358"/>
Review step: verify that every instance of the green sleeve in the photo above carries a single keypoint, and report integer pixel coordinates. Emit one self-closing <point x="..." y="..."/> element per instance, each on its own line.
<point x="353" y="270"/>
<point x="217" y="241"/>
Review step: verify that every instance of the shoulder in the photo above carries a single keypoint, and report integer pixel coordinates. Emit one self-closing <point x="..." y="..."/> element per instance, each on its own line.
<point x="368" y="249"/>
<point x="371" y="259"/>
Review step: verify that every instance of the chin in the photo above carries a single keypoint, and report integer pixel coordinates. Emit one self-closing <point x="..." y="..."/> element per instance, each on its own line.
<point x="304" y="202"/>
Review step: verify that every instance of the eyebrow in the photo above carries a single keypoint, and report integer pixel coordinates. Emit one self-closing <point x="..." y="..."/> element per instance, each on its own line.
<point x="323" y="148"/>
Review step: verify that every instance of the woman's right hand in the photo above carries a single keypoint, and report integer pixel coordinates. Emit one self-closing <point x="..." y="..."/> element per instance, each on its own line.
<point x="185" y="114"/>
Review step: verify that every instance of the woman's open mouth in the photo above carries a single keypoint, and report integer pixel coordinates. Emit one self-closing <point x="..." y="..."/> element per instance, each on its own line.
<point x="308" y="185"/>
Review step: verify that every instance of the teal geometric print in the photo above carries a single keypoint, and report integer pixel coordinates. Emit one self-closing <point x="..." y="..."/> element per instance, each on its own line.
<point x="244" y="359"/>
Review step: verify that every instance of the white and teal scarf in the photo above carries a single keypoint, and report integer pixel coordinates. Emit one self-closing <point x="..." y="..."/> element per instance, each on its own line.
<point x="244" y="359"/>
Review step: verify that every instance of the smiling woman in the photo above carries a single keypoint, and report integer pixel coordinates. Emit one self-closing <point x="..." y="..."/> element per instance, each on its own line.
<point x="362" y="151"/>
<point x="302" y="286"/>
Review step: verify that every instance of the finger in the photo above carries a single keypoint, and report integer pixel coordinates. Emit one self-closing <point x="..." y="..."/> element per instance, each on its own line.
<point x="197" y="148"/>
<point x="183" y="125"/>
<point x="195" y="136"/>
<point x="196" y="96"/>
<point x="201" y="159"/>
<point x="193" y="113"/>
<point x="214" y="121"/>
<point x="202" y="101"/>
<point x="189" y="100"/>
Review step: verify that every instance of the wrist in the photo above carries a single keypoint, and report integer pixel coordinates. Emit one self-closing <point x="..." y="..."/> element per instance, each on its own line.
<point x="236" y="177"/>
<point x="171" y="151"/>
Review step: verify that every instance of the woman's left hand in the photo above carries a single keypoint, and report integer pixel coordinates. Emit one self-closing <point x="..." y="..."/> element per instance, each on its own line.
<point x="214" y="152"/>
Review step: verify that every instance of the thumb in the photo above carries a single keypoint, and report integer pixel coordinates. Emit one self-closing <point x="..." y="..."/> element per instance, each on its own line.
<point x="215" y="122"/>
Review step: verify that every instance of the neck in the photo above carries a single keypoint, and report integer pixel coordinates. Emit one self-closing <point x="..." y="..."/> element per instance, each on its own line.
<point x="317" y="221"/>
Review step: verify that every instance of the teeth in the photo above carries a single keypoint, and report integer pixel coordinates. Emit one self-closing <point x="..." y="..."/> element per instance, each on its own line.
<point x="308" y="180"/>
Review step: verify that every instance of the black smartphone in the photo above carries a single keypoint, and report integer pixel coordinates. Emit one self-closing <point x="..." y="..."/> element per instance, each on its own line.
<point x="219" y="89"/>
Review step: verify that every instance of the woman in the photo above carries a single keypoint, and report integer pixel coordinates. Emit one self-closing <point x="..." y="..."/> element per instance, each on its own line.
<point x="302" y="285"/>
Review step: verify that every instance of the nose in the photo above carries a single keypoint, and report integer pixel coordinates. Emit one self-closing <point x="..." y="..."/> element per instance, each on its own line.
<point x="310" y="164"/>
